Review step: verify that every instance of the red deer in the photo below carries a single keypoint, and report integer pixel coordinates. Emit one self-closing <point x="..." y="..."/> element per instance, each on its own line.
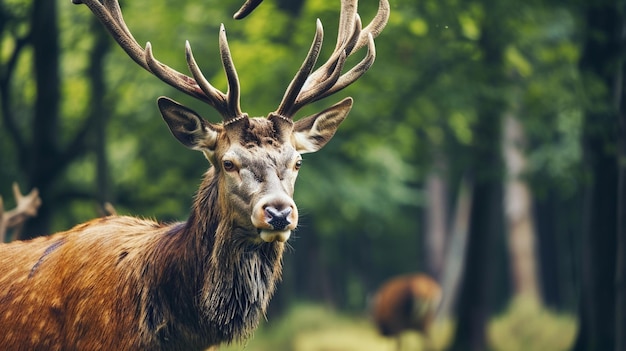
<point x="124" y="283"/>
<point x="406" y="302"/>
<point x="26" y="206"/>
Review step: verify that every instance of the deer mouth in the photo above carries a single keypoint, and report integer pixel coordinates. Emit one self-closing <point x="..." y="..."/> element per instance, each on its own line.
<point x="270" y="236"/>
<point x="274" y="219"/>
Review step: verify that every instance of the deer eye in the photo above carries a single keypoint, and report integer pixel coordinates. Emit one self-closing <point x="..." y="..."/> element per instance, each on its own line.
<point x="298" y="165"/>
<point x="228" y="165"/>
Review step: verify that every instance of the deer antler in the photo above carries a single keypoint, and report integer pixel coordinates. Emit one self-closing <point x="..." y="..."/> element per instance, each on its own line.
<point x="307" y="87"/>
<point x="26" y="207"/>
<point x="246" y="8"/>
<point x="227" y="104"/>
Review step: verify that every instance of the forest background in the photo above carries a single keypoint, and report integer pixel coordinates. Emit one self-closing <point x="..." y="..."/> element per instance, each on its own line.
<point x="487" y="145"/>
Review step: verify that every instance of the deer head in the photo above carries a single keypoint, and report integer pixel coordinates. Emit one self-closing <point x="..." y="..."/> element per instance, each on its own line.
<point x="256" y="160"/>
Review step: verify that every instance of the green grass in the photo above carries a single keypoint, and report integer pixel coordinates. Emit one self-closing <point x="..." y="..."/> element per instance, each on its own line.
<point x="310" y="327"/>
<point x="525" y="325"/>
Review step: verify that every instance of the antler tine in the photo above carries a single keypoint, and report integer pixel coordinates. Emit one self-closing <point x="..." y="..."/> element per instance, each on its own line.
<point x="246" y="8"/>
<point x="220" y="98"/>
<point x="227" y="104"/>
<point x="231" y="75"/>
<point x="327" y="79"/>
<point x="26" y="206"/>
<point x="376" y="26"/>
<point x="347" y="18"/>
<point x="298" y="81"/>
<point x="351" y="37"/>
<point x="110" y="14"/>
<point x="198" y="86"/>
<point x="353" y="74"/>
<point x="176" y="79"/>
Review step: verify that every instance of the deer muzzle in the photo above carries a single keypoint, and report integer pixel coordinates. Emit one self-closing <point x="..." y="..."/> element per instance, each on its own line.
<point x="275" y="218"/>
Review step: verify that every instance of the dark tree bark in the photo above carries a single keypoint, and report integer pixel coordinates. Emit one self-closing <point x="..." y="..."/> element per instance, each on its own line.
<point x="478" y="288"/>
<point x="559" y="226"/>
<point x="44" y="151"/>
<point x="478" y="297"/>
<point x="100" y="110"/>
<point x="600" y="61"/>
<point x="620" y="277"/>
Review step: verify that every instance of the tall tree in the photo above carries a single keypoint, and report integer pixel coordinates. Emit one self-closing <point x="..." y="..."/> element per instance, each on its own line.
<point x="602" y="60"/>
<point x="99" y="109"/>
<point x="41" y="157"/>
<point x="477" y="290"/>
<point x="518" y="210"/>
<point x="44" y="150"/>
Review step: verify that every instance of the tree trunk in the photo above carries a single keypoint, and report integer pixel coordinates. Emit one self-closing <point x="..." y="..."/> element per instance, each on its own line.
<point x="599" y="62"/>
<point x="100" y="110"/>
<point x="620" y="278"/>
<point x="436" y="222"/>
<point x="519" y="217"/>
<point x="44" y="152"/>
<point x="478" y="288"/>
<point x="478" y="295"/>
<point x="456" y="249"/>
<point x="559" y="227"/>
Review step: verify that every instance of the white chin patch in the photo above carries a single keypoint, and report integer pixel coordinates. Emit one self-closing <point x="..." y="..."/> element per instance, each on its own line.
<point x="275" y="235"/>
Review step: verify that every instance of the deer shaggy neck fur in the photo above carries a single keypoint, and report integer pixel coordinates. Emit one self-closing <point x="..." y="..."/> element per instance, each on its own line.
<point x="182" y="286"/>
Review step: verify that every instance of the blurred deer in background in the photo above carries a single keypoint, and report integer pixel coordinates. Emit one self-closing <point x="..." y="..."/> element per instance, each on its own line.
<point x="407" y="302"/>
<point x="26" y="206"/>
<point x="124" y="283"/>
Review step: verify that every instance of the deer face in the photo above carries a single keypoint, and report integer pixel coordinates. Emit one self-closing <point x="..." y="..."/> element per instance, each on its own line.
<point x="256" y="161"/>
<point x="257" y="174"/>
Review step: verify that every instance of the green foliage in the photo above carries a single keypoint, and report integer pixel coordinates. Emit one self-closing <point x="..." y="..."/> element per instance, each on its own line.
<point x="526" y="325"/>
<point x="361" y="197"/>
<point x="551" y="98"/>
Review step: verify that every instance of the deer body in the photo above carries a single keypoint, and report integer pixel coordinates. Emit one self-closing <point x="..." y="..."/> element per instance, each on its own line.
<point x="122" y="283"/>
<point x="406" y="303"/>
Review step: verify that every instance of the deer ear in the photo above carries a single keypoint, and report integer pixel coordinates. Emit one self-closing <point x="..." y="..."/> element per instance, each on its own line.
<point x="313" y="132"/>
<point x="187" y="126"/>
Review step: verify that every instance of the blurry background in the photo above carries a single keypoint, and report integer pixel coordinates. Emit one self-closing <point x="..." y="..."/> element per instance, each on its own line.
<point x="485" y="148"/>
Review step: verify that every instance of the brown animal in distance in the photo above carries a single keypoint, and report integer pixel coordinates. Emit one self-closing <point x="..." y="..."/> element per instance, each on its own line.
<point x="407" y="302"/>
<point x="123" y="283"/>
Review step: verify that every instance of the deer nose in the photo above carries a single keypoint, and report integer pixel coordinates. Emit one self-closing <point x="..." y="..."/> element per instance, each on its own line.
<point x="278" y="219"/>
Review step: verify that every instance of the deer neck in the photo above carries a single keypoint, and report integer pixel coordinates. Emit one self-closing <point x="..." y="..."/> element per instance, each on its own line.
<point x="239" y="276"/>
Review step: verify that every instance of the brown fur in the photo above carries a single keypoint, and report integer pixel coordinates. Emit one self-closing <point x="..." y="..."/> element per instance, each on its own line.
<point x="122" y="283"/>
<point x="406" y="303"/>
